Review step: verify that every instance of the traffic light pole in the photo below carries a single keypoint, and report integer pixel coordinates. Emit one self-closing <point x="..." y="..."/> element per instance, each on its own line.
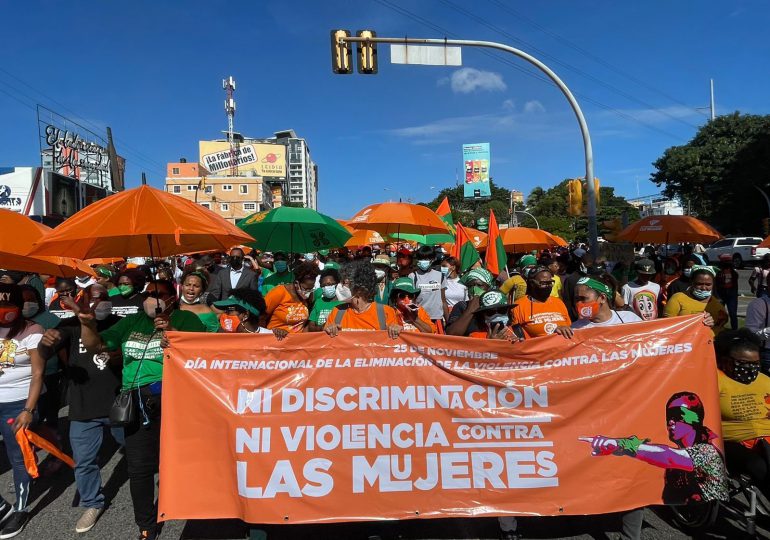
<point x="588" y="150"/>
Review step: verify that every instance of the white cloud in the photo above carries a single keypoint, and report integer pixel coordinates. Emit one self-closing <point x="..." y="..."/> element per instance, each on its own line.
<point x="509" y="105"/>
<point x="533" y="106"/>
<point x="468" y="80"/>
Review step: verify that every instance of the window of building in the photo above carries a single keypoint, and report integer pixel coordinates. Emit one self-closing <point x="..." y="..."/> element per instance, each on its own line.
<point x="244" y="189"/>
<point x="177" y="189"/>
<point x="224" y="207"/>
<point x="227" y="187"/>
<point x="206" y="205"/>
<point x="192" y="187"/>
<point x="209" y="189"/>
<point x="249" y="207"/>
<point x="175" y="170"/>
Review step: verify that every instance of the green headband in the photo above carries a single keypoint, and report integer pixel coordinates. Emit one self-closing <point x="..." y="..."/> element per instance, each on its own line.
<point x="596" y="285"/>
<point x="702" y="268"/>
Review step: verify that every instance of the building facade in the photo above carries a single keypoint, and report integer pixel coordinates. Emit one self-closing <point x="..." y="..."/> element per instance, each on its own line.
<point x="302" y="186"/>
<point x="232" y="197"/>
<point x="657" y="206"/>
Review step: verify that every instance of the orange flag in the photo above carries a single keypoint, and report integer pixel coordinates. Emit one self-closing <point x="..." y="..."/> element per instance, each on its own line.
<point x="445" y="212"/>
<point x="496" y="258"/>
<point x="464" y="251"/>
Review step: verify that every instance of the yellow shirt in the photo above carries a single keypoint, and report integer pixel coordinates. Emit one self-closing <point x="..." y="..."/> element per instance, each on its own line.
<point x="745" y="408"/>
<point x="515" y="283"/>
<point x="682" y="304"/>
<point x="556" y="291"/>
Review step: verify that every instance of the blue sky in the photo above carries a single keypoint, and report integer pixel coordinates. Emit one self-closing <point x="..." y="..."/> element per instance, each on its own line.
<point x="152" y="71"/>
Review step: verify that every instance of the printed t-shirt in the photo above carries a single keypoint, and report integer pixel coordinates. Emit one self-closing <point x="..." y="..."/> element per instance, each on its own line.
<point x="368" y="320"/>
<point x="643" y="299"/>
<point x="421" y="314"/>
<point x="515" y="283"/>
<point x="58" y="309"/>
<point x="430" y="283"/>
<point x="618" y="317"/>
<point x="455" y="292"/>
<point x="540" y="318"/>
<point x="135" y="336"/>
<point x="285" y="313"/>
<point x="273" y="280"/>
<point x="745" y="408"/>
<point x="123" y="307"/>
<point x="321" y="308"/>
<point x="15" y="363"/>
<point x="682" y="304"/>
<point x="557" y="286"/>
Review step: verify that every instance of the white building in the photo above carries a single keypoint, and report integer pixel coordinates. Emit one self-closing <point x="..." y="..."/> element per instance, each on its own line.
<point x="657" y="206"/>
<point x="303" y="172"/>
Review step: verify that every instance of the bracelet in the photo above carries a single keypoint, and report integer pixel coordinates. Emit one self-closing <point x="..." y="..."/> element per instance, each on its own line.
<point x="30" y="411"/>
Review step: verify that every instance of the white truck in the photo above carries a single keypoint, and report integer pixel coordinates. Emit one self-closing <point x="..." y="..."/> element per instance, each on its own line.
<point x="742" y="250"/>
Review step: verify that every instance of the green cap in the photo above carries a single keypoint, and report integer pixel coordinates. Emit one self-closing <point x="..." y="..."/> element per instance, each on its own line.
<point x="405" y="284"/>
<point x="527" y="260"/>
<point x="324" y="252"/>
<point x="331" y="266"/>
<point x="478" y="274"/>
<point x="233" y="301"/>
<point x="493" y="299"/>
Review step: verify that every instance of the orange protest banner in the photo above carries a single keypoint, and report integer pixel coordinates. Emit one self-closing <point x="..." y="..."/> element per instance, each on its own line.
<point x="363" y="427"/>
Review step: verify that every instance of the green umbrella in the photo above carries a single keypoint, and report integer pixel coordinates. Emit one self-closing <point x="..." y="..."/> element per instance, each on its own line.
<point x="427" y="239"/>
<point x="294" y="230"/>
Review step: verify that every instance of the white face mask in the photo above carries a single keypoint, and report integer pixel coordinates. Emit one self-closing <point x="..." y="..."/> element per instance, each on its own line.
<point x="496" y="318"/>
<point x="343" y="293"/>
<point x="151" y="304"/>
<point x="329" y="291"/>
<point x="29" y="310"/>
<point x="423" y="264"/>
<point x="309" y="256"/>
<point x="445" y="270"/>
<point x="103" y="310"/>
<point x="380" y="274"/>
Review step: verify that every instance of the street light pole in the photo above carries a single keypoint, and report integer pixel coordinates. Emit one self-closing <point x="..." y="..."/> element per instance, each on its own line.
<point x="528" y="214"/>
<point x="587" y="148"/>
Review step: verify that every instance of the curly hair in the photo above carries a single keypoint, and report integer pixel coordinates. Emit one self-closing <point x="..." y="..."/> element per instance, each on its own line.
<point x="304" y="271"/>
<point x="330" y="272"/>
<point x="250" y="296"/>
<point x="361" y="277"/>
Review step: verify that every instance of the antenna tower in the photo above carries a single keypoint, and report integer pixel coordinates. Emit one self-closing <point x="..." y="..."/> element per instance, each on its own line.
<point x="228" y="85"/>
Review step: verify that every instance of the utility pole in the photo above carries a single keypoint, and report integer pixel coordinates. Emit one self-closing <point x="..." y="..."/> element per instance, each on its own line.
<point x="228" y="85"/>
<point x="713" y="109"/>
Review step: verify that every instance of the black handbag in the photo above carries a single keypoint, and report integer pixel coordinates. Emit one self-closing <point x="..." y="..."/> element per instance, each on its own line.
<point x="123" y="410"/>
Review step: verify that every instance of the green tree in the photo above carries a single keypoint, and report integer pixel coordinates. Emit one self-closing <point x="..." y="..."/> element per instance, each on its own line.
<point x="467" y="211"/>
<point x="715" y="174"/>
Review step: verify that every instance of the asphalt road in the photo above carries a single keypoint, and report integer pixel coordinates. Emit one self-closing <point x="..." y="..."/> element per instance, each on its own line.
<point x="55" y="511"/>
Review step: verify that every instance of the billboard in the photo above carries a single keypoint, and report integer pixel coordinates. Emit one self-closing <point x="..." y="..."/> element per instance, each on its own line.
<point x="476" y="164"/>
<point x="265" y="159"/>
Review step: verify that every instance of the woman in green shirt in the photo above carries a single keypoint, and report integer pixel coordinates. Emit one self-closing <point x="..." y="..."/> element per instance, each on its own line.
<point x="194" y="285"/>
<point x="325" y="299"/>
<point x="139" y="337"/>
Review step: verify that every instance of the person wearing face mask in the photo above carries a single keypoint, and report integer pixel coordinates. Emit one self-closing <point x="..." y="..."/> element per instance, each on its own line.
<point x="538" y="313"/>
<point x="493" y="320"/>
<point x="325" y="299"/>
<point x="139" y="337"/>
<point x="234" y="276"/>
<point x="381" y="265"/>
<point x="726" y="287"/>
<point x="432" y="285"/>
<point x="580" y="263"/>
<point x="193" y="298"/>
<point x="281" y="274"/>
<point x="65" y="288"/>
<point x="129" y="301"/>
<point x="289" y="304"/>
<point x="759" y="277"/>
<point x="742" y="400"/>
<point x="461" y="321"/>
<point x="93" y="382"/>
<point x="104" y="277"/>
<point x="699" y="299"/>
<point x="390" y="250"/>
<point x="21" y="383"/>
<point x="455" y="291"/>
<point x="240" y="313"/>
<point x="411" y="317"/>
<point x="404" y="261"/>
<point x="359" y="311"/>
<point x="683" y="282"/>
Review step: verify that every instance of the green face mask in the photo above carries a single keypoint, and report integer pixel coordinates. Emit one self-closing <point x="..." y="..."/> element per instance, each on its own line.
<point x="476" y="290"/>
<point x="126" y="290"/>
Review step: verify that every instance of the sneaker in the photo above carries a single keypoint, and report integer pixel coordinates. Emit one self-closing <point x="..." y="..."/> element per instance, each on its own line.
<point x="88" y="520"/>
<point x="15" y="525"/>
<point x="5" y="511"/>
<point x="148" y="534"/>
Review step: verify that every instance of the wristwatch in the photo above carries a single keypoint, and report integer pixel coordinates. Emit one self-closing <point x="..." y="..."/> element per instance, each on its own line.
<point x="30" y="411"/>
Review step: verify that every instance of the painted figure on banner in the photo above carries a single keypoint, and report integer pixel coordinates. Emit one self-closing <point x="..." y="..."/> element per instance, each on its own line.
<point x="695" y="470"/>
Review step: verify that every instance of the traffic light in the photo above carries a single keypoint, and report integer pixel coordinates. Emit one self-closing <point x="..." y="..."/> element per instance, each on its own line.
<point x="575" y="198"/>
<point x="367" y="53"/>
<point x="342" y="53"/>
<point x="597" y="189"/>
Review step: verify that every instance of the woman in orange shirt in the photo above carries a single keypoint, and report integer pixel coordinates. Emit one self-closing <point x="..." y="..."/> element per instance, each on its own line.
<point x="361" y="312"/>
<point x="411" y="316"/>
<point x="288" y="305"/>
<point x="538" y="313"/>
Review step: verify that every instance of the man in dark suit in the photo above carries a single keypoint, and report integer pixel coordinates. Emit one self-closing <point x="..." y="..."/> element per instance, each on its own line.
<point x="233" y="276"/>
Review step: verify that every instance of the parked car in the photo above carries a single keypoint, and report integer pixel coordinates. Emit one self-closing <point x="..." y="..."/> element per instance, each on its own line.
<point x="742" y="249"/>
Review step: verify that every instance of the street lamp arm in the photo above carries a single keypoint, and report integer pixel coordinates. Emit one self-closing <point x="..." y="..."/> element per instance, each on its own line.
<point x="528" y="214"/>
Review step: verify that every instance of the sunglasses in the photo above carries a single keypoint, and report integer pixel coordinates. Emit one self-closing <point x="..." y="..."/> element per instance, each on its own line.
<point x="403" y="295"/>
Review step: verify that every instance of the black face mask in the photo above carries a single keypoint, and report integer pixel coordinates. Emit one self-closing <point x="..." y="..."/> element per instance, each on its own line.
<point x="541" y="293"/>
<point x="236" y="263"/>
<point x="745" y="372"/>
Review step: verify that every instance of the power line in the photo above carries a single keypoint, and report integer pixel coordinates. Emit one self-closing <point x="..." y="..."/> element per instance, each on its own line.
<point x="518" y="67"/>
<point x="566" y="65"/>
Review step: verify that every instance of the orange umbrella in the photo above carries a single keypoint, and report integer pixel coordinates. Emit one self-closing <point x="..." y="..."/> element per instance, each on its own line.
<point x="141" y="222"/>
<point x="668" y="229"/>
<point x="361" y="237"/>
<point x="22" y="232"/>
<point x="103" y="260"/>
<point x="519" y="239"/>
<point x="392" y="218"/>
<point x="478" y="238"/>
<point x="557" y="240"/>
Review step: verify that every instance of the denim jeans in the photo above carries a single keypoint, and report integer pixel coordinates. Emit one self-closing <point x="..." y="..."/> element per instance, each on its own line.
<point x="21" y="478"/>
<point x="86" y="440"/>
